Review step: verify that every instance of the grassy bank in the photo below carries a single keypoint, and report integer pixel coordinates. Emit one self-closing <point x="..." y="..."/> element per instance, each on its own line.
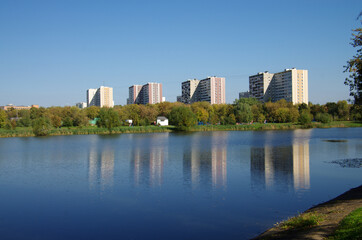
<point x="274" y="126"/>
<point x="28" y="132"/>
<point x="350" y="227"/>
<point x="337" y="219"/>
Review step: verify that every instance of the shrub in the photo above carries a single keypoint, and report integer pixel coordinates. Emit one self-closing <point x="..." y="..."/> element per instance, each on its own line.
<point x="41" y="126"/>
<point x="323" y="118"/>
<point x="182" y="117"/>
<point x="305" y="117"/>
<point x="108" y="118"/>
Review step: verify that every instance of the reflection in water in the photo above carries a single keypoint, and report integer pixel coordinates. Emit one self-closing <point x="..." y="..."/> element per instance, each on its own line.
<point x="147" y="160"/>
<point x="204" y="160"/>
<point x="147" y="166"/>
<point x="101" y="168"/>
<point x="283" y="167"/>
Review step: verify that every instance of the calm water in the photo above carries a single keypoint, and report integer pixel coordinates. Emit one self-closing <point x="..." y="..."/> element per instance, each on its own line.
<point x="214" y="185"/>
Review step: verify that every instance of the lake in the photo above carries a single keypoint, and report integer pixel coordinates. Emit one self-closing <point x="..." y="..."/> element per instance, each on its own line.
<point x="212" y="185"/>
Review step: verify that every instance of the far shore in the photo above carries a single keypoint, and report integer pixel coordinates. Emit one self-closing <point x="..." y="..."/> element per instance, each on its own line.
<point x="28" y="132"/>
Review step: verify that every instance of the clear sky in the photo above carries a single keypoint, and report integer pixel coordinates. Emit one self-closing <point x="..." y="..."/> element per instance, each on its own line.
<point x="51" y="52"/>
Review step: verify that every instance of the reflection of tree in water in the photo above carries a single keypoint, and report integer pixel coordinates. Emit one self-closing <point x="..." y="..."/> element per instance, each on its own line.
<point x="204" y="160"/>
<point x="281" y="167"/>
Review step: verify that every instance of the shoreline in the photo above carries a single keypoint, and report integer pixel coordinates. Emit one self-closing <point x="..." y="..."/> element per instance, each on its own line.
<point x="27" y="132"/>
<point x="332" y="212"/>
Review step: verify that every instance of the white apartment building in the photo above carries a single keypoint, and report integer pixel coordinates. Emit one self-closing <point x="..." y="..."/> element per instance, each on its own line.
<point x="291" y="85"/>
<point x="211" y="89"/>
<point x="101" y="97"/>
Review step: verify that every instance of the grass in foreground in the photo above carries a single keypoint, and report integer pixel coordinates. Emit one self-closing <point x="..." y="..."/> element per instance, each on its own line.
<point x="302" y="221"/>
<point x="350" y="227"/>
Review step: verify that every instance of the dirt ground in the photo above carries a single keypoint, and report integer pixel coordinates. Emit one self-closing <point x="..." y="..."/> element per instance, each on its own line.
<point x="334" y="211"/>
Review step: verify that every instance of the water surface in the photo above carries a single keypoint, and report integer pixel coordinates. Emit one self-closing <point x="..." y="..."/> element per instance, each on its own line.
<point x="214" y="185"/>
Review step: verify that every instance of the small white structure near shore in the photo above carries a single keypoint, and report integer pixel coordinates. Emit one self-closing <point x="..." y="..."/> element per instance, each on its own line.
<point x="162" y="121"/>
<point x="129" y="121"/>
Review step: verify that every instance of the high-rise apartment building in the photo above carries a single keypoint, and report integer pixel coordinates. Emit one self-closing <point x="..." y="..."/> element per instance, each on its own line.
<point x="134" y="94"/>
<point x="291" y="85"/>
<point x="149" y="93"/>
<point x="244" y="94"/>
<point x="211" y="89"/>
<point x="189" y="94"/>
<point x="101" y="97"/>
<point x="258" y="85"/>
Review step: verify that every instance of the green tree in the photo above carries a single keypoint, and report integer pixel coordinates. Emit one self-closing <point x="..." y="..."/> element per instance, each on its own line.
<point x="80" y="118"/>
<point x="202" y="114"/>
<point x="354" y="67"/>
<point x="56" y="121"/>
<point x="148" y="114"/>
<point x="132" y="112"/>
<point x="243" y="112"/>
<point x="41" y="126"/>
<point x="67" y="122"/>
<point x="92" y="112"/>
<point x="3" y="118"/>
<point x="25" y="120"/>
<point x="305" y="117"/>
<point x="323" y="118"/>
<point x="281" y="115"/>
<point x="258" y="114"/>
<point x="36" y="113"/>
<point x="13" y="124"/>
<point x="342" y="110"/>
<point x="108" y="118"/>
<point x="356" y="112"/>
<point x="182" y="118"/>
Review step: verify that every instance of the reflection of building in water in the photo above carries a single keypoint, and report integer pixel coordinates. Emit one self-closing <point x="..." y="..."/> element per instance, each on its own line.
<point x="204" y="160"/>
<point x="101" y="168"/>
<point x="301" y="166"/>
<point x="147" y="159"/>
<point x="147" y="165"/>
<point x="283" y="167"/>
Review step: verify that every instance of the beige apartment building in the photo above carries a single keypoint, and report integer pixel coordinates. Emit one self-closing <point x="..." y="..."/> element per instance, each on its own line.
<point x="149" y="93"/>
<point x="211" y="89"/>
<point x="11" y="106"/>
<point x="101" y="97"/>
<point x="291" y="85"/>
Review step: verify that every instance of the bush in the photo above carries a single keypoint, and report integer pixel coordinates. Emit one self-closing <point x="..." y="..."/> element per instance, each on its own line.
<point x="323" y="118"/>
<point x="243" y="113"/>
<point x="41" y="126"/>
<point x="3" y="118"/>
<point x="108" y="118"/>
<point x="182" y="118"/>
<point x="67" y="122"/>
<point x="305" y="117"/>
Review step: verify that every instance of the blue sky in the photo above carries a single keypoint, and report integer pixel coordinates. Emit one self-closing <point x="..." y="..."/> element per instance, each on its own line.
<point x="51" y="52"/>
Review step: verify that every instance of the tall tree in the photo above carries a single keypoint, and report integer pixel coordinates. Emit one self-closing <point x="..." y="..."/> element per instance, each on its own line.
<point x="108" y="118"/>
<point x="354" y="67"/>
<point x="3" y="118"/>
<point x="182" y="118"/>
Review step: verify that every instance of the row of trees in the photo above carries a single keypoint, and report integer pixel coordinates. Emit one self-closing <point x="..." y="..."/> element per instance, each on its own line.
<point x="241" y="111"/>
